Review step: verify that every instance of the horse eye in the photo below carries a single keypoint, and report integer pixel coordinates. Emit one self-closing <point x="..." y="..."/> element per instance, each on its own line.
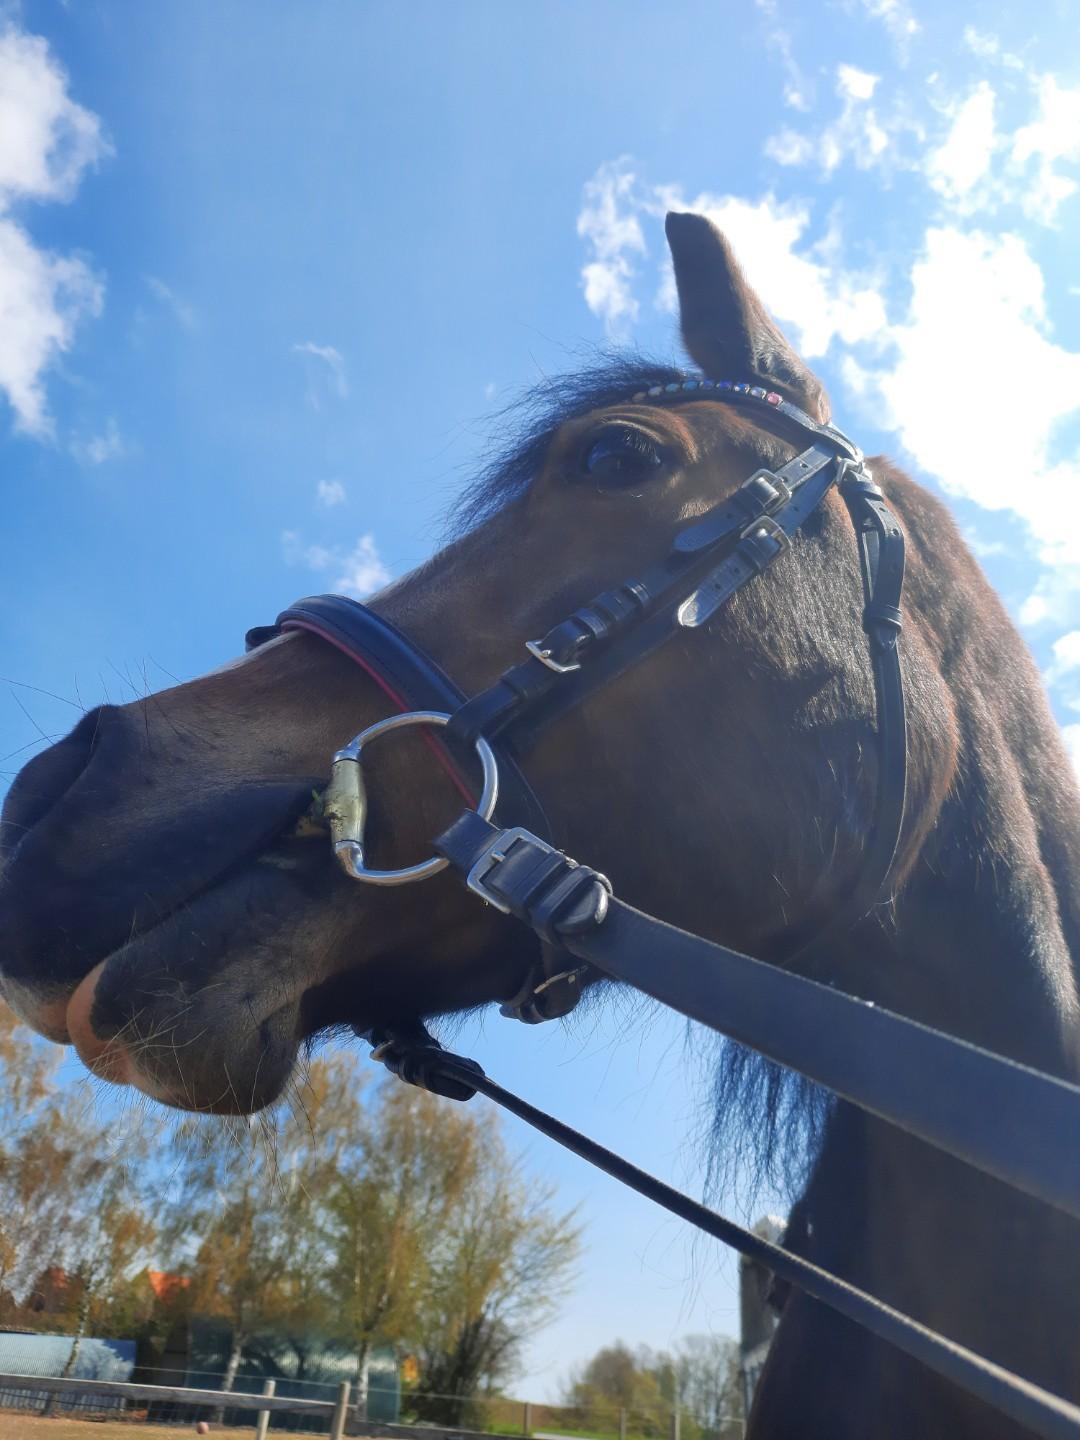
<point x="621" y="456"/>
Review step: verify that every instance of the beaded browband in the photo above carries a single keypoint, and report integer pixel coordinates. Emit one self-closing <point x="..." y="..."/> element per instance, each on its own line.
<point x="733" y="387"/>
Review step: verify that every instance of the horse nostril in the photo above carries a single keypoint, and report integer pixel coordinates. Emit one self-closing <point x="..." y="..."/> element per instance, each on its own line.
<point x="47" y="778"/>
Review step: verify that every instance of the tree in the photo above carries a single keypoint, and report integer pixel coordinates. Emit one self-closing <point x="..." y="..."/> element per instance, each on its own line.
<point x="619" y="1379"/>
<point x="35" y="1160"/>
<point x="707" y="1367"/>
<point x="70" y="1209"/>
<point x="497" y="1274"/>
<point x="701" y="1378"/>
<point x="397" y="1190"/>
<point x="236" y="1226"/>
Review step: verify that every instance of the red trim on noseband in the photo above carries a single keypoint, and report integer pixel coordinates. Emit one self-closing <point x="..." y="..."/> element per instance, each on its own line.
<point x="442" y="755"/>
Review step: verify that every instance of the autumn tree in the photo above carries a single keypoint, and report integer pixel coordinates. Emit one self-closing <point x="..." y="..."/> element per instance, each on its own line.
<point x="71" y="1204"/>
<point x="34" y="1163"/>
<point x="239" y="1218"/>
<point x="397" y="1189"/>
<point x="497" y="1271"/>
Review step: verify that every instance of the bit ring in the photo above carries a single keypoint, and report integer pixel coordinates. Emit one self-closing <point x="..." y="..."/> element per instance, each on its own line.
<point x="346" y="800"/>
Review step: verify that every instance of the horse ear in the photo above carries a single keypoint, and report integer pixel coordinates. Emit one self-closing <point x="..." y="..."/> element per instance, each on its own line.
<point x="726" y="329"/>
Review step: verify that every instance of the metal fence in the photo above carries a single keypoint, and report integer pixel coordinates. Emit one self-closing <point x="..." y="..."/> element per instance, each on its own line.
<point x="316" y="1409"/>
<point x="132" y="1401"/>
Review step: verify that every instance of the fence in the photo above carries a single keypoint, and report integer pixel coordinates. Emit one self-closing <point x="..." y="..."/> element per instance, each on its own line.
<point x="41" y="1387"/>
<point x="491" y="1417"/>
<point x="33" y="1355"/>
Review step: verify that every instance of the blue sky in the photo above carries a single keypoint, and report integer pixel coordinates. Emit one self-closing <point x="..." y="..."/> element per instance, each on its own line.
<point x="265" y="268"/>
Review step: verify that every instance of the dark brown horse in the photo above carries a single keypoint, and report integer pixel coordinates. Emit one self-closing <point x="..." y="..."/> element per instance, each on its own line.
<point x="160" y="911"/>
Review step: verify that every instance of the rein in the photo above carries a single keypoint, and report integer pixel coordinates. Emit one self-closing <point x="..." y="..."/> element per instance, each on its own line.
<point x="934" y="1086"/>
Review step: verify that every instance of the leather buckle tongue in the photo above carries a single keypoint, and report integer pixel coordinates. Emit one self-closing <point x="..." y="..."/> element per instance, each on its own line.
<point x="540" y="652"/>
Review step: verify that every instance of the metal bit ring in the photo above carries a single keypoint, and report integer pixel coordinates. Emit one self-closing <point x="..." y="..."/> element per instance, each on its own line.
<point x="345" y="803"/>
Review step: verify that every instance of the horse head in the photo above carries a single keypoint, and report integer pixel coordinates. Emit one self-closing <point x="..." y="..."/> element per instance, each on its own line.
<point x="169" y="900"/>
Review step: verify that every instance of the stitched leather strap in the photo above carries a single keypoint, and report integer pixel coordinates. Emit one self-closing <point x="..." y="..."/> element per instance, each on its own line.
<point x="997" y="1115"/>
<point x="415" y="682"/>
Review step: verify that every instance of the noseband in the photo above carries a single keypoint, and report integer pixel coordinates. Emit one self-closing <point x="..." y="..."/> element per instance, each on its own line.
<point x="707" y="562"/>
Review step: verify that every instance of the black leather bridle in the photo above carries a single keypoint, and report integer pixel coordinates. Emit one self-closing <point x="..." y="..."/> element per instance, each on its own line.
<point x="931" y="1085"/>
<point x="708" y="561"/>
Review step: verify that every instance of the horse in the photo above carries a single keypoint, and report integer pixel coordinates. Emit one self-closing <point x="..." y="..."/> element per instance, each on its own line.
<point x="170" y="907"/>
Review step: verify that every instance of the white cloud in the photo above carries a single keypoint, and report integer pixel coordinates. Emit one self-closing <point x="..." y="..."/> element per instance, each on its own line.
<point x="330" y="493"/>
<point x="897" y="18"/>
<point x="958" y="165"/>
<point x="43" y="297"/>
<point x="857" y="133"/>
<point x="789" y="147"/>
<point x="362" y="571"/>
<point x="977" y="391"/>
<point x="1051" y="138"/>
<point x="971" y="163"/>
<point x="98" y="448"/>
<point x="778" y="38"/>
<point x="182" y="311"/>
<point x="1071" y="735"/>
<point x="978" y="167"/>
<point x="1066" y="661"/>
<point x="819" y="300"/>
<point x="800" y="284"/>
<point x="988" y="47"/>
<point x="859" y="84"/>
<point x="984" y="549"/>
<point x="326" y="369"/>
<point x="609" y="225"/>
<point x="47" y="142"/>
<point x="357" y="572"/>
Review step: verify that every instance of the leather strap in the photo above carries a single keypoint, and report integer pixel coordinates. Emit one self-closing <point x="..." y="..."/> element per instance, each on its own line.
<point x="416" y="681"/>
<point x="881" y="550"/>
<point x="416" y="1057"/>
<point x="1001" y="1117"/>
<point x="619" y="628"/>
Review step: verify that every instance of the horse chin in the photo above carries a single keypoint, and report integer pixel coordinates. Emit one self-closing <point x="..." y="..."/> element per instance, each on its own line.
<point x="203" y="1010"/>
<point x="211" y="1068"/>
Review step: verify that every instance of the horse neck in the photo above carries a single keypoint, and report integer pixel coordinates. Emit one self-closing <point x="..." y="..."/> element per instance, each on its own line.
<point x="980" y="948"/>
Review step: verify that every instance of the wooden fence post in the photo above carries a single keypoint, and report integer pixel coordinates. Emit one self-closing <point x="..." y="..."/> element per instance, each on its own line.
<point x="526" y="1418"/>
<point x="675" y="1424"/>
<point x="263" y="1420"/>
<point x="341" y="1409"/>
<point x="622" y="1425"/>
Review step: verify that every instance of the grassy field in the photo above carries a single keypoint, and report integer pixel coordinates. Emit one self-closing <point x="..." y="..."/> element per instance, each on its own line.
<point x="16" y="1426"/>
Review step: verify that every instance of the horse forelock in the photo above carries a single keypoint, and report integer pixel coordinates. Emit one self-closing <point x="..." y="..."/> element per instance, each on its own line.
<point x="523" y="430"/>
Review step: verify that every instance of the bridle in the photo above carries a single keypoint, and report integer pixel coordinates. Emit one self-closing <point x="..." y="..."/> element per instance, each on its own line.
<point x="501" y="848"/>
<point x="707" y="562"/>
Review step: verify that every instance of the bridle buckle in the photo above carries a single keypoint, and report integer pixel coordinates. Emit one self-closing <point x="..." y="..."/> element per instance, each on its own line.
<point x="494" y="855"/>
<point x="767" y="488"/>
<point x="537" y="651"/>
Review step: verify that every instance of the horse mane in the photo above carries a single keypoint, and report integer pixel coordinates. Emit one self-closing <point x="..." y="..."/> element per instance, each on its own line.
<point x="766" y="1123"/>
